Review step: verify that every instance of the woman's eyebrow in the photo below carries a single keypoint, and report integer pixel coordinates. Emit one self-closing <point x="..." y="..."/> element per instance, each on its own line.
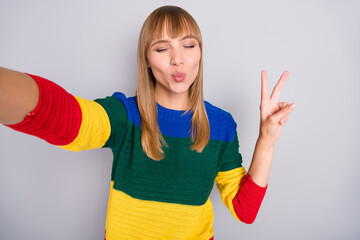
<point x="188" y="36"/>
<point x="166" y="41"/>
<point x="159" y="41"/>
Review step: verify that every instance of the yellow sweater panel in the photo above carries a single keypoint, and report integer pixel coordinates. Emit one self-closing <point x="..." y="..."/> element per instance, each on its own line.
<point x="131" y="218"/>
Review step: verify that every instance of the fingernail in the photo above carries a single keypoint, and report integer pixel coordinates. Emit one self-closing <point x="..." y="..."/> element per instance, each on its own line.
<point x="292" y="105"/>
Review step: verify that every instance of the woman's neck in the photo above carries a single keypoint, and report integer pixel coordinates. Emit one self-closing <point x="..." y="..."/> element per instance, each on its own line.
<point x="173" y="101"/>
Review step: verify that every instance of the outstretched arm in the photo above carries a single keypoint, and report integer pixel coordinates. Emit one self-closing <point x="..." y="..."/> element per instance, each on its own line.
<point x="19" y="95"/>
<point x="273" y="116"/>
<point x="39" y="107"/>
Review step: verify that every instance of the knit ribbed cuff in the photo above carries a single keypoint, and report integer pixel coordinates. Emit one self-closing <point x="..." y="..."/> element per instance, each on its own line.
<point x="248" y="199"/>
<point x="56" y="118"/>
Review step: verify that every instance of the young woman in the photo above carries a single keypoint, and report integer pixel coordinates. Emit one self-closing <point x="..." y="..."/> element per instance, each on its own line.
<point x="169" y="145"/>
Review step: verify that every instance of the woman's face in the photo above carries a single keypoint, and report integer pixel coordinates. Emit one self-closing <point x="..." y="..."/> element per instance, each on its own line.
<point x="175" y="64"/>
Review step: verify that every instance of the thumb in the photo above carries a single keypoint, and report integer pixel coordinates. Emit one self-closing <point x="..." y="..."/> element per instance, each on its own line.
<point x="284" y="112"/>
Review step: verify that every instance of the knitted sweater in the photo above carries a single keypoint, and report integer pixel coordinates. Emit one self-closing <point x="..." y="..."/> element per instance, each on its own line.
<point x="166" y="199"/>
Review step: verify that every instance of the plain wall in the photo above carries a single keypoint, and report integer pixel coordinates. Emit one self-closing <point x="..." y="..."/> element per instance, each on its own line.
<point x="89" y="48"/>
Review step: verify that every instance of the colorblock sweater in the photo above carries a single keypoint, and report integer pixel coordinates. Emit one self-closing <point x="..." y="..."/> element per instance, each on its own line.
<point x="166" y="199"/>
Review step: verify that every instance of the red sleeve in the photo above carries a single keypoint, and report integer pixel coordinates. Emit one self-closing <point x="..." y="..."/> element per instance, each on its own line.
<point x="57" y="117"/>
<point x="248" y="199"/>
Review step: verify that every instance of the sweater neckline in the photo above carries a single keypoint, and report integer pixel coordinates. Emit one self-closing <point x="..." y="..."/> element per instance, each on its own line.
<point x="171" y="114"/>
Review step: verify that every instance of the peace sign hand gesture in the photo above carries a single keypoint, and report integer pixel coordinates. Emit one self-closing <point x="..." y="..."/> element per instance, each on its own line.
<point x="273" y="114"/>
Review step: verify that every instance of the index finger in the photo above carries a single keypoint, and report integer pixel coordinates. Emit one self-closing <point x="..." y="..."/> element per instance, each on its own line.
<point x="264" y="87"/>
<point x="277" y="89"/>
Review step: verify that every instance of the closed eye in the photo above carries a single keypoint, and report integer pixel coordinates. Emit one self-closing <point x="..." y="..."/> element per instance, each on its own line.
<point x="161" y="50"/>
<point x="189" y="46"/>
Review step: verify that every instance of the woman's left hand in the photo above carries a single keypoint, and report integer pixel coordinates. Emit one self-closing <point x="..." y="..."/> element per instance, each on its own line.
<point x="273" y="114"/>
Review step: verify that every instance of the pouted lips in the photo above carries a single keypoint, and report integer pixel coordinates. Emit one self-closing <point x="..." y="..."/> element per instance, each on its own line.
<point x="179" y="76"/>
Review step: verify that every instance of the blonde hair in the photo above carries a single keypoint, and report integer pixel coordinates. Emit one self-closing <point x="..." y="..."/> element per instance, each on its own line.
<point x="175" y="21"/>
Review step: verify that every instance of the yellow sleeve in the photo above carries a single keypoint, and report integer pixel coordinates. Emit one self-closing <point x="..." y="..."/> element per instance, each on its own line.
<point x="95" y="127"/>
<point x="228" y="183"/>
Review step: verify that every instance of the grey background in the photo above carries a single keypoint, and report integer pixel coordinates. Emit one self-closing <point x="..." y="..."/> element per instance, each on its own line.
<point x="89" y="48"/>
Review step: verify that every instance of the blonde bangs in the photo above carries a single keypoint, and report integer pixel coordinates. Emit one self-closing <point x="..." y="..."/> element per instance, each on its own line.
<point x="174" y="22"/>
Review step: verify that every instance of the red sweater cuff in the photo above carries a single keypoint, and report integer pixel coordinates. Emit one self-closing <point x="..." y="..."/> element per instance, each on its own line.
<point x="56" y="118"/>
<point x="248" y="199"/>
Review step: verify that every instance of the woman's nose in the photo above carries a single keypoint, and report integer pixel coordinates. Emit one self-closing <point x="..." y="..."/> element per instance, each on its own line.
<point x="176" y="57"/>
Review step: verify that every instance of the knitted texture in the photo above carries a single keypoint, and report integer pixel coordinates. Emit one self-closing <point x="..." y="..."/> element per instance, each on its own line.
<point x="57" y="117"/>
<point x="248" y="200"/>
<point x="176" y="189"/>
<point x="227" y="182"/>
<point x="167" y="199"/>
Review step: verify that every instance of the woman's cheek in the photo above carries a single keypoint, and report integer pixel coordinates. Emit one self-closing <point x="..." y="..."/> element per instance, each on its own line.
<point x="197" y="59"/>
